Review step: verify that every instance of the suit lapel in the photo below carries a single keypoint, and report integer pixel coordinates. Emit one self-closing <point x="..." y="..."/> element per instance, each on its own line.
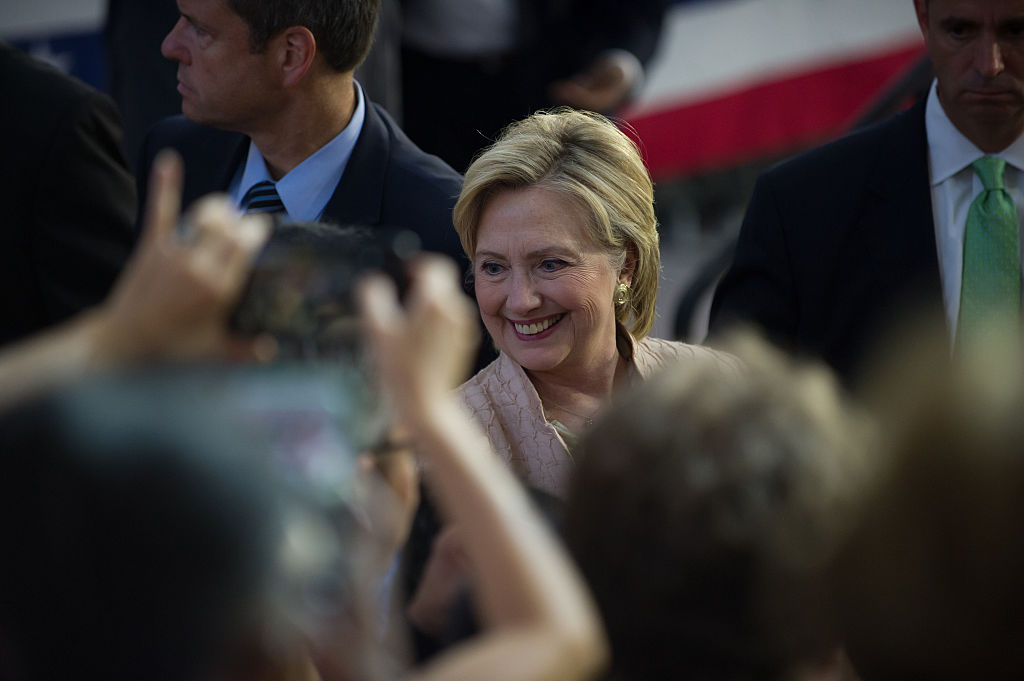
<point x="898" y="202"/>
<point x="886" y="266"/>
<point x="212" y="163"/>
<point x="358" y="199"/>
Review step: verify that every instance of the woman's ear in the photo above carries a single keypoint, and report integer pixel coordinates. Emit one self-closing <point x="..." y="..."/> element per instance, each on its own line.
<point x="629" y="267"/>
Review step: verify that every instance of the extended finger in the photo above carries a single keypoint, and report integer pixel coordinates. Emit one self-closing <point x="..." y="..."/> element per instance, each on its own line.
<point x="434" y="282"/>
<point x="377" y="299"/>
<point x="237" y="249"/>
<point x="164" y="204"/>
<point x="382" y="327"/>
<point x="208" y="217"/>
<point x="222" y="245"/>
<point x="251" y="233"/>
<point x="439" y="294"/>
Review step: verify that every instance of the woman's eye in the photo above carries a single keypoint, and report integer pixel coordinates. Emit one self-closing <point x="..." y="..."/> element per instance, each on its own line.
<point x="491" y="268"/>
<point x="552" y="265"/>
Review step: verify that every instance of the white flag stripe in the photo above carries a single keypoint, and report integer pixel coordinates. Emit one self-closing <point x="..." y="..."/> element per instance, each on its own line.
<point x="720" y="45"/>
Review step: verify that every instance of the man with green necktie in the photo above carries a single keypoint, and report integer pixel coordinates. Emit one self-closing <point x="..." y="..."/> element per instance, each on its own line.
<point x="919" y="213"/>
<point x="990" y="284"/>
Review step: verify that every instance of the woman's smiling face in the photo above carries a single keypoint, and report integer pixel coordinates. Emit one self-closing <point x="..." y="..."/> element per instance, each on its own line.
<point x="544" y="287"/>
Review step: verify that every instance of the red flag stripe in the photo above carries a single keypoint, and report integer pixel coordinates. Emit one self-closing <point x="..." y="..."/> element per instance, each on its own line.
<point x="773" y="117"/>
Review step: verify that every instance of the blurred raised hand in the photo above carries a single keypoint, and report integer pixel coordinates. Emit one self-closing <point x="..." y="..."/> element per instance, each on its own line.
<point x="540" y="623"/>
<point x="175" y="295"/>
<point x="604" y="86"/>
<point x="426" y="347"/>
<point x="171" y="302"/>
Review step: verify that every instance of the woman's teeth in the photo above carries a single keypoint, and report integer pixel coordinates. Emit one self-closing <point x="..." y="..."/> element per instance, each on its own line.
<point x="531" y="329"/>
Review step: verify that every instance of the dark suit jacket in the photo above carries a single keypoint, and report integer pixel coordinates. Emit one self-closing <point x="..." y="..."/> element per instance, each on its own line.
<point x="837" y="245"/>
<point x="388" y="182"/>
<point x="68" y="198"/>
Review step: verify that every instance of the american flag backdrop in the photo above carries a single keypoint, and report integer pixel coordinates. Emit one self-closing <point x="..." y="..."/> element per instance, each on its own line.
<point x="738" y="80"/>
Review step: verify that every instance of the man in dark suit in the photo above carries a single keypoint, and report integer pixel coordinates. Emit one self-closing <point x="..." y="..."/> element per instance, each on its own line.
<point x="67" y="196"/>
<point x="841" y="242"/>
<point x="268" y="96"/>
<point x="143" y="82"/>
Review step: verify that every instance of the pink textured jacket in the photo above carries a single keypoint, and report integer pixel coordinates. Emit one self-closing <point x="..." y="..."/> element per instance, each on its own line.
<point x="506" y="404"/>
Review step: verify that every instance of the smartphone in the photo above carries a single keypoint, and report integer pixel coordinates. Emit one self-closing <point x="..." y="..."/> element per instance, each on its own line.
<point x="301" y="288"/>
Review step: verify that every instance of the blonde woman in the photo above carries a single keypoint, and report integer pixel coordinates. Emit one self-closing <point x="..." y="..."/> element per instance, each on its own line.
<point x="557" y="218"/>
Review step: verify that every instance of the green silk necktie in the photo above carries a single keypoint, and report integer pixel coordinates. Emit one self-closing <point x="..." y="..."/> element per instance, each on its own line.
<point x="990" y="290"/>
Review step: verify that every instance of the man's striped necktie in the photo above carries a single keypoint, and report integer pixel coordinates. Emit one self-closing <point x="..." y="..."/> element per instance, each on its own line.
<point x="262" y="197"/>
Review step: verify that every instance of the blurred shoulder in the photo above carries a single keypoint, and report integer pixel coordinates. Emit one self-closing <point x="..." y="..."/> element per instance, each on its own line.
<point x="40" y="101"/>
<point x="410" y="164"/>
<point x="653" y="354"/>
<point x="30" y="82"/>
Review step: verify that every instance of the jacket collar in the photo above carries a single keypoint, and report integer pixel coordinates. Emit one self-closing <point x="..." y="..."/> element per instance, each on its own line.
<point x="359" y="197"/>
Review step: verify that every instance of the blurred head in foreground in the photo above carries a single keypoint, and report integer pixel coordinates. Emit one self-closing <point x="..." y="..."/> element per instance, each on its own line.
<point x="931" y="581"/>
<point x="150" y="532"/>
<point x="703" y="512"/>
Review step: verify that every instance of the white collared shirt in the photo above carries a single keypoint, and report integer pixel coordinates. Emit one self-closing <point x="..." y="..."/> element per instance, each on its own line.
<point x="307" y="188"/>
<point x="954" y="186"/>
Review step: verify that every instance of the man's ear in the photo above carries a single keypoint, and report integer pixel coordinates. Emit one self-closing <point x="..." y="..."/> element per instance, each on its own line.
<point x="297" y="49"/>
<point x="626" y="273"/>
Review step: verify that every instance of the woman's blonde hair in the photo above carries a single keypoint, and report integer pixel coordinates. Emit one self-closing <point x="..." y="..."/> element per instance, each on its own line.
<point x="587" y="158"/>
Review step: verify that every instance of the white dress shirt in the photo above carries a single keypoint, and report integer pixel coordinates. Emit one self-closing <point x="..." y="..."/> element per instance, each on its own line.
<point x="954" y="186"/>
